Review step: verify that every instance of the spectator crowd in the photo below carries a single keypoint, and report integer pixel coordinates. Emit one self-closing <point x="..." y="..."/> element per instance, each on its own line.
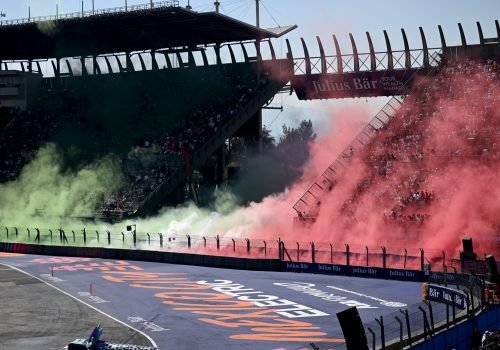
<point x="451" y="118"/>
<point x="184" y="139"/>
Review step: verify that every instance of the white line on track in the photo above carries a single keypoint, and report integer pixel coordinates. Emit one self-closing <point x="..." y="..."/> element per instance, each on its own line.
<point x="92" y="307"/>
<point x="382" y="301"/>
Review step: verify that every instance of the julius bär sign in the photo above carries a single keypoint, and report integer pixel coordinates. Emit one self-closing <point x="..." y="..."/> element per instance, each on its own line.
<point x="362" y="84"/>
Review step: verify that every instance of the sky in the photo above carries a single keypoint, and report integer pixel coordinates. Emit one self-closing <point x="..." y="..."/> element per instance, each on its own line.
<point x="321" y="18"/>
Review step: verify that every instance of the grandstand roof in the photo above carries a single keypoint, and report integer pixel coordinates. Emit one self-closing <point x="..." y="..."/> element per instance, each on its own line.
<point x="123" y="30"/>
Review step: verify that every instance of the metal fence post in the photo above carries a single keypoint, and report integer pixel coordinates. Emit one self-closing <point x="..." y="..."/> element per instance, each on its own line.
<point x="204" y="241"/>
<point x="189" y="240"/>
<point x="431" y="314"/>
<point x="407" y="318"/>
<point x="74" y="239"/>
<point x="109" y="236"/>
<point x="347" y="257"/>
<point x="217" y="239"/>
<point x="472" y="299"/>
<point x="15" y="228"/>
<point x="161" y="239"/>
<point x="84" y="237"/>
<point x="382" y="330"/>
<point x="123" y="237"/>
<point x="331" y="253"/>
<point x="149" y="239"/>
<point x="50" y="235"/>
<point x="384" y="257"/>
<point x="29" y="233"/>
<point x="373" y="337"/>
<point x="37" y="238"/>
<point x="426" y="322"/>
<point x="447" y="316"/>
<point x="97" y="233"/>
<point x="313" y="257"/>
<point x="454" y="312"/>
<point x="298" y="251"/>
<point x="248" y="245"/>
<point x="265" y="249"/>
<point x="366" y="247"/>
<point x="400" y="331"/>
<point x="421" y="259"/>
<point x="406" y="256"/>
<point x="234" y="244"/>
<point x="7" y="230"/>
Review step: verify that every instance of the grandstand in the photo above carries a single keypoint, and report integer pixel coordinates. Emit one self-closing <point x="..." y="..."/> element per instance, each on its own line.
<point x="180" y="106"/>
<point x="166" y="100"/>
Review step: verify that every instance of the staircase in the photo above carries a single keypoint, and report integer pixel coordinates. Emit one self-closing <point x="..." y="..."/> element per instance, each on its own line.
<point x="198" y="158"/>
<point x="307" y="206"/>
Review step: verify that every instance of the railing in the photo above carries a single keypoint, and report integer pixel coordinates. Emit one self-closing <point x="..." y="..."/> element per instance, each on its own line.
<point x="221" y="245"/>
<point x="309" y="202"/>
<point x="98" y="12"/>
<point x="424" y="320"/>
<point x="416" y="60"/>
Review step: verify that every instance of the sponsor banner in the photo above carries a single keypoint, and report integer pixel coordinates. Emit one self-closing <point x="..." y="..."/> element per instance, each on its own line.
<point x="356" y="271"/>
<point x="452" y="278"/>
<point x="13" y="247"/>
<point x="446" y="295"/>
<point x="362" y="84"/>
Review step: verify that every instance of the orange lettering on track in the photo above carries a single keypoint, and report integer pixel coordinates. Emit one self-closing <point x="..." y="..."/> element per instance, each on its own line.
<point x="227" y="316"/>
<point x="139" y="277"/>
<point x="204" y="296"/>
<point x="176" y="286"/>
<point x="294" y="337"/>
<point x="219" y="304"/>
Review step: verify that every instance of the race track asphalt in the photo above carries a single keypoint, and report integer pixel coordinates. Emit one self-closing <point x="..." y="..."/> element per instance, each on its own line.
<point x="36" y="316"/>
<point x="185" y="307"/>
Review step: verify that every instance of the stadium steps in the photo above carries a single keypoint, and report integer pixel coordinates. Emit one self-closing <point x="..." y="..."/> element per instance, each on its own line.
<point x="308" y="204"/>
<point x="198" y="158"/>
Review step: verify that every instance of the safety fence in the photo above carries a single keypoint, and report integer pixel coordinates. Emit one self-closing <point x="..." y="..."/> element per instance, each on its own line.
<point x="409" y="326"/>
<point x="468" y="334"/>
<point x="333" y="253"/>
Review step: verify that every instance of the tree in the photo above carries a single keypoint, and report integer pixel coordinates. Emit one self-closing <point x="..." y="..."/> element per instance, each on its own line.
<point x="303" y="134"/>
<point x="268" y="141"/>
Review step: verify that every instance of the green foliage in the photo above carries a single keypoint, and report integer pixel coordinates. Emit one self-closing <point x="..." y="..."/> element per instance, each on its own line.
<point x="303" y="134"/>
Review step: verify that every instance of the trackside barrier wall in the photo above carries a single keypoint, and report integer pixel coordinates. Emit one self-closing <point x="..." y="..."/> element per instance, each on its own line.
<point x="145" y="255"/>
<point x="233" y="262"/>
<point x="461" y="337"/>
<point x="356" y="271"/>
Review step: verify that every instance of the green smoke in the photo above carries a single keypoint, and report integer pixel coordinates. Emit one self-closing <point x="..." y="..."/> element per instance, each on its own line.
<point x="46" y="192"/>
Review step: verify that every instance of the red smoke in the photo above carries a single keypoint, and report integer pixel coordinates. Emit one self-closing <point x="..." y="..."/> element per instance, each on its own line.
<point x="430" y="177"/>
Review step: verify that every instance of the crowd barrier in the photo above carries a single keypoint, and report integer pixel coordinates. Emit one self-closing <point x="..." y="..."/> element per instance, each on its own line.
<point x="464" y="336"/>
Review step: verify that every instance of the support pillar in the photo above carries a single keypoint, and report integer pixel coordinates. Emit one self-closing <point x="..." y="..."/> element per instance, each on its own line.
<point x="253" y="133"/>
<point x="221" y="165"/>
